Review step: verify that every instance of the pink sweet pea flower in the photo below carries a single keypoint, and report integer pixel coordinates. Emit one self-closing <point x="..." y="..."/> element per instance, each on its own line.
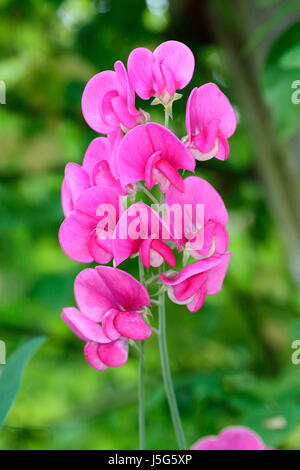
<point x="154" y="154"/>
<point x="85" y="235"/>
<point x="197" y="280"/>
<point x="108" y="102"/>
<point x="96" y="170"/>
<point x="169" y="68"/>
<point x="210" y="121"/>
<point x="141" y="230"/>
<point x="76" y="181"/>
<point x="100" y="351"/>
<point x="231" y="438"/>
<point x="116" y="299"/>
<point x="202" y="218"/>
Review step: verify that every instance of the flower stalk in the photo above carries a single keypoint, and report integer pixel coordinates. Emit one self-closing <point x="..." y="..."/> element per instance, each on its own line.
<point x="141" y="385"/>
<point x="166" y="372"/>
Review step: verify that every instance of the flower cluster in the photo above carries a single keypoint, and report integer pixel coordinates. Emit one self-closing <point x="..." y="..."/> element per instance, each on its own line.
<point x="136" y="155"/>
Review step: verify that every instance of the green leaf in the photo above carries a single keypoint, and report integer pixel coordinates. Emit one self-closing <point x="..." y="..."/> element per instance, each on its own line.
<point x="11" y="377"/>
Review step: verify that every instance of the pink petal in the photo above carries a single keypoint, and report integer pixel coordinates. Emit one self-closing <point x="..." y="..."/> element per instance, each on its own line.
<point x="98" y="150"/>
<point x="143" y="142"/>
<point x="198" y="300"/>
<point x="103" y="178"/>
<point x="126" y="91"/>
<point x="66" y="199"/>
<point x="190" y="286"/>
<point x="220" y="234"/>
<point x="131" y="325"/>
<point x="231" y="438"/>
<point x="202" y="198"/>
<point x="170" y="79"/>
<point x="73" y="236"/>
<point x="114" y="354"/>
<point x="100" y="250"/>
<point x="93" y="94"/>
<point x="120" y="109"/>
<point x="213" y="104"/>
<point x="96" y="201"/>
<point x="223" y="148"/>
<point x="206" y="139"/>
<point x="179" y="58"/>
<point x="214" y="267"/>
<point x="77" y="180"/>
<point x="92" y="356"/>
<point x="84" y="328"/>
<point x="115" y="138"/>
<point x="108" y="324"/>
<point x="137" y="225"/>
<point x="139" y="65"/>
<point x="103" y="288"/>
<point x="191" y="114"/>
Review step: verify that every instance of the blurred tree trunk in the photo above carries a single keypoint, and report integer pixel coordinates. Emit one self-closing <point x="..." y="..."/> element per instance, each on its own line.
<point x="274" y="161"/>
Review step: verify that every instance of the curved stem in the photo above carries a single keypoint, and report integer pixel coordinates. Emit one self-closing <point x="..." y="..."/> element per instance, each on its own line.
<point x="148" y="193"/>
<point x="141" y="386"/>
<point x="166" y="372"/>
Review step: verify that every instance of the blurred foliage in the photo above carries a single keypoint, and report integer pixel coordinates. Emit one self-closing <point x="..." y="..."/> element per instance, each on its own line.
<point x="11" y="374"/>
<point x="231" y="361"/>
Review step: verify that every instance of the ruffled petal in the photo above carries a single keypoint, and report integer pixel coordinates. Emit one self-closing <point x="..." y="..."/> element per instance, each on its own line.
<point x="108" y="324"/>
<point x="131" y="325"/>
<point x="100" y="250"/>
<point x="66" y="199"/>
<point x="84" y="328"/>
<point x="77" y="180"/>
<point x="74" y="234"/>
<point x="140" y="63"/>
<point x="98" y="150"/>
<point x="96" y="201"/>
<point x="135" y="227"/>
<point x="143" y="142"/>
<point x="97" y="87"/>
<point x="199" y="203"/>
<point x="179" y="58"/>
<point x="213" y="104"/>
<point x="126" y="89"/>
<point x="103" y="288"/>
<point x="92" y="356"/>
<point x="114" y="354"/>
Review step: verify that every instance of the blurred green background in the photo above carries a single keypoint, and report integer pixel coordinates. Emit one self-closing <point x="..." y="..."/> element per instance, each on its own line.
<point x="231" y="361"/>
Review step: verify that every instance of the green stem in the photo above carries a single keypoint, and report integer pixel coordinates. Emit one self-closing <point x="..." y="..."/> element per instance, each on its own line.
<point x="166" y="117"/>
<point x="141" y="386"/>
<point x="142" y="427"/>
<point x="148" y="193"/>
<point x="166" y="372"/>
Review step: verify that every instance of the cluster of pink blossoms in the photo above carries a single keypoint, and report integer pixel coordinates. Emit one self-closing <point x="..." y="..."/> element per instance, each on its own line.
<point x="135" y="155"/>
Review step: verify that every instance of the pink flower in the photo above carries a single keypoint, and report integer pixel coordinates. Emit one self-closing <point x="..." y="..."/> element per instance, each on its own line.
<point x="108" y="102"/>
<point x="231" y="438"/>
<point x="115" y="299"/>
<point x="210" y="121"/>
<point x="154" y="154"/>
<point x="141" y="230"/>
<point x="96" y="170"/>
<point x="169" y="68"/>
<point x="197" y="280"/>
<point x="85" y="235"/>
<point x="201" y="213"/>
